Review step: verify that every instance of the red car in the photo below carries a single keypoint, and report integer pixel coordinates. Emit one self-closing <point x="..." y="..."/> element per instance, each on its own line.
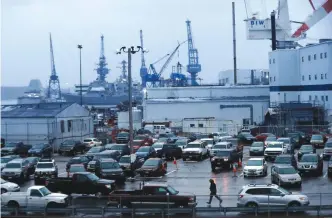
<point x="263" y="136"/>
<point x="147" y="140"/>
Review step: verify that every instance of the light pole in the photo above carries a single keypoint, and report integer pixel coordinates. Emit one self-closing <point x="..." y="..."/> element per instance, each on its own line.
<point x="80" y="48"/>
<point x="130" y="50"/>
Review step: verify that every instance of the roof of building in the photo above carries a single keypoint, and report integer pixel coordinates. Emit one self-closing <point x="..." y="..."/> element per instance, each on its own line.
<point x="199" y="99"/>
<point x="40" y="110"/>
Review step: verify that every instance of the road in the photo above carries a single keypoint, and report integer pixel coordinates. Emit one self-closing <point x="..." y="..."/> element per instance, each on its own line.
<point x="193" y="177"/>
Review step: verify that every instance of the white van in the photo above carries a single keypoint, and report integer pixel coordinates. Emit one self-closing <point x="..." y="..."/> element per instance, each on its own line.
<point x="157" y="129"/>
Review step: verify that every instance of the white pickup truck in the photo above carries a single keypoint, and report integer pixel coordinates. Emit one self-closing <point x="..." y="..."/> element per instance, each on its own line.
<point x="36" y="196"/>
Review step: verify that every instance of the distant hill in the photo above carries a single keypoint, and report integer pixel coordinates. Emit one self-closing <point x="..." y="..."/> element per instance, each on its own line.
<point x="9" y="93"/>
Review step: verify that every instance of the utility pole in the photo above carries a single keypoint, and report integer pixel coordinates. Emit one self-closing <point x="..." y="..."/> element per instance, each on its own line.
<point x="234" y="44"/>
<point x="81" y="94"/>
<point x="273" y="30"/>
<point x="130" y="50"/>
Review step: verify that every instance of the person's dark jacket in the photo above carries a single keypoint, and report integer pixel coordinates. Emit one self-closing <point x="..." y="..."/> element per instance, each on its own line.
<point x="213" y="188"/>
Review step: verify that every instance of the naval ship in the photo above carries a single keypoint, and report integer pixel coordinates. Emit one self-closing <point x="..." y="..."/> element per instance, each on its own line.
<point x="34" y="93"/>
<point x="102" y="93"/>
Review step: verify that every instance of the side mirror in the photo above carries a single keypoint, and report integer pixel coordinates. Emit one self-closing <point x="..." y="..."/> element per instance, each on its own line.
<point x="282" y="195"/>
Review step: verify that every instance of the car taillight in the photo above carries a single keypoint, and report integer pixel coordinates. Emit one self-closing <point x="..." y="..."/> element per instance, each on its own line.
<point x="241" y="196"/>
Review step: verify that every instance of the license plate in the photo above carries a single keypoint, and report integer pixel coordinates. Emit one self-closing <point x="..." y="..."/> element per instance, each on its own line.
<point x="190" y="156"/>
<point x="218" y="163"/>
<point x="10" y="177"/>
<point x="293" y="182"/>
<point x="307" y="171"/>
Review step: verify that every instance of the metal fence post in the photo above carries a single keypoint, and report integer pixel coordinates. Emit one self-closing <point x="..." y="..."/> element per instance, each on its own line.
<point x="27" y="133"/>
<point x="168" y="204"/>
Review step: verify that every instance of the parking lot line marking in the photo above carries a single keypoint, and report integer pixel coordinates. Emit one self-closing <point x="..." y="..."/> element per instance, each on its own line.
<point x="241" y="174"/>
<point x="325" y="175"/>
<point x="170" y="172"/>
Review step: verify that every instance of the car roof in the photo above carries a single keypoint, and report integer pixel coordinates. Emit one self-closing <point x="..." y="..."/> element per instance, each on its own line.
<point x="154" y="158"/>
<point x="256" y="158"/>
<point x="107" y="160"/>
<point x="250" y="186"/>
<point x="156" y="184"/>
<point x="73" y="165"/>
<point x="223" y="143"/>
<point x="283" y="165"/>
<point x="16" y="160"/>
<point x="276" y="142"/>
<point x="285" y="155"/>
<point x="226" y="149"/>
<point x="205" y="139"/>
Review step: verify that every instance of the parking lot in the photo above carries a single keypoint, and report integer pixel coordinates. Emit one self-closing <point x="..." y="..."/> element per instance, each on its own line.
<point x="193" y="177"/>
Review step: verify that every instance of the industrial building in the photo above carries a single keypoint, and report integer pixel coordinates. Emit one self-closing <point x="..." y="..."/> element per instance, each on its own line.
<point x="244" y="76"/>
<point x="45" y="123"/>
<point x="210" y="108"/>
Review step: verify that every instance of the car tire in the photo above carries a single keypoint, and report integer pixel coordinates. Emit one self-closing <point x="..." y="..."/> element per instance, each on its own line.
<point x="251" y="205"/>
<point x="300" y="185"/>
<point x="3" y="190"/>
<point x="213" y="168"/>
<point x="201" y="157"/>
<point x="294" y="204"/>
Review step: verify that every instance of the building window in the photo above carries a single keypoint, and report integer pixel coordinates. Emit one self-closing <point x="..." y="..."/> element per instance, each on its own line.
<point x="316" y="98"/>
<point x="298" y="98"/>
<point x="284" y="97"/>
<point x="309" y="57"/>
<point x="302" y="77"/>
<point x="321" y="55"/>
<point x="69" y="125"/>
<point x="192" y="125"/>
<point x="315" y="77"/>
<point x="309" y="97"/>
<point x="327" y="98"/>
<point x="325" y="76"/>
<point x="200" y="125"/>
<point x="325" y="55"/>
<point x="270" y="79"/>
<point x="303" y="58"/>
<point x="321" y="76"/>
<point x="315" y="57"/>
<point x="270" y="61"/>
<point x="323" y="98"/>
<point x="274" y="78"/>
<point x="274" y="61"/>
<point x="62" y="126"/>
<point x="309" y="77"/>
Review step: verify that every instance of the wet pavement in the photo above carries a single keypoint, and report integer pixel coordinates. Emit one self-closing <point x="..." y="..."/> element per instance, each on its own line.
<point x="193" y="177"/>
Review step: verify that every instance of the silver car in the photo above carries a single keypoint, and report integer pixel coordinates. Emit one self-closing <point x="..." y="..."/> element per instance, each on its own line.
<point x="285" y="175"/>
<point x="253" y="195"/>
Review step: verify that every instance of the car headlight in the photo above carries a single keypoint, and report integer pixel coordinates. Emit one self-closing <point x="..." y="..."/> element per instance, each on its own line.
<point x="302" y="198"/>
<point x="226" y="159"/>
<point x="213" y="159"/>
<point x="108" y="186"/>
<point x="314" y="166"/>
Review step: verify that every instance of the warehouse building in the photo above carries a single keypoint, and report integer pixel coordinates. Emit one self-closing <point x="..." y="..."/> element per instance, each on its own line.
<point x="45" y="123"/>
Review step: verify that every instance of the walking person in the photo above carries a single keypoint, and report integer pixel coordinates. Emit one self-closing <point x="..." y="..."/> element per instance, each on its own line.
<point x="213" y="192"/>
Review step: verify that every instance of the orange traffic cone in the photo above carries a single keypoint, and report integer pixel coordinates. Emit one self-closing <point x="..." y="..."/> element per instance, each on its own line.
<point x="175" y="162"/>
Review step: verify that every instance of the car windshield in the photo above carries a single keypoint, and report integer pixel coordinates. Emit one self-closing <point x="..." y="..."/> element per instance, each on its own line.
<point x="117" y="147"/>
<point x="309" y="158"/>
<point x="44" y="191"/>
<point x="306" y="148"/>
<point x="37" y="146"/>
<point x="5" y="159"/>
<point x="143" y="149"/>
<point x="328" y="145"/>
<point x="123" y="134"/>
<point x="284" y="191"/>
<point x="10" y="145"/>
<point x="220" y="146"/>
<point x="248" y="135"/>
<point x="87" y="140"/>
<point x="92" y="177"/>
<point x="255" y="163"/>
<point x="30" y="159"/>
<point x="151" y="162"/>
<point x="44" y="165"/>
<point x="124" y="160"/>
<point x="317" y="137"/>
<point x="13" y="165"/>
<point x="110" y="165"/>
<point x="193" y="146"/>
<point x="74" y="169"/>
<point x="210" y="141"/>
<point x="222" y="153"/>
<point x="162" y="139"/>
<point x="283" y="160"/>
<point x="271" y="138"/>
<point x="75" y="160"/>
<point x="288" y="170"/>
<point x="275" y="146"/>
<point x="3" y="181"/>
<point x="257" y="144"/>
<point x="172" y="190"/>
<point x="95" y="150"/>
<point x="293" y="135"/>
<point x="156" y="145"/>
<point x="181" y="142"/>
<point x="71" y="142"/>
<point x="137" y="142"/>
<point x="285" y="140"/>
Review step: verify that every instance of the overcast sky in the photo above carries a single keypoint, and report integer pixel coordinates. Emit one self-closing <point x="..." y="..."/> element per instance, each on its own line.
<point x="26" y="25"/>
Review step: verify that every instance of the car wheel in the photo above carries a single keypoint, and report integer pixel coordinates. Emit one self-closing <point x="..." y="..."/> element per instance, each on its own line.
<point x="213" y="168"/>
<point x="294" y="205"/>
<point x="201" y="157"/>
<point x="3" y="190"/>
<point x="98" y="194"/>
<point x="251" y="205"/>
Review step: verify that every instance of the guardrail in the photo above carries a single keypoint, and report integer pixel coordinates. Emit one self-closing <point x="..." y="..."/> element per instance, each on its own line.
<point x="163" y="211"/>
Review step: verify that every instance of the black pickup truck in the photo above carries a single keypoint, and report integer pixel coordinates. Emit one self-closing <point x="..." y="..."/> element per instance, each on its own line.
<point x="81" y="183"/>
<point x="170" y="151"/>
<point x="152" y="194"/>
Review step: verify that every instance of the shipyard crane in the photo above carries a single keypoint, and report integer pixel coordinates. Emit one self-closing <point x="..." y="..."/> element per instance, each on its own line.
<point x="54" y="91"/>
<point x="143" y="69"/>
<point x="155" y="77"/>
<point x="193" y="67"/>
<point x="102" y="69"/>
<point x="177" y="78"/>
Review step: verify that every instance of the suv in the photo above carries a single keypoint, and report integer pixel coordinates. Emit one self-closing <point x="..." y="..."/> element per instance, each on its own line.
<point x="15" y="148"/>
<point x="286" y="159"/>
<point x="210" y="142"/>
<point x="317" y="140"/>
<point x="327" y="153"/>
<point x="224" y="158"/>
<point x="110" y="169"/>
<point x="220" y="146"/>
<point x="305" y="149"/>
<point x="289" y="143"/>
<point x="46" y="168"/>
<point x="72" y="147"/>
<point x="254" y="196"/>
<point x="255" y="167"/>
<point x="40" y="150"/>
<point x="16" y="169"/>
<point x="257" y="149"/>
<point x="285" y="175"/>
<point x="122" y="138"/>
<point x="311" y="163"/>
<point x="196" y="149"/>
<point x="92" y="142"/>
<point x="274" y="149"/>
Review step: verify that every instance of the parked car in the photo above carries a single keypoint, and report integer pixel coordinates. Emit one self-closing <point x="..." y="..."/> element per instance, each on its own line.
<point x="246" y="138"/>
<point x="38" y="196"/>
<point x="137" y="144"/>
<point x="298" y="139"/>
<point x="152" y="193"/>
<point x="92" y="142"/>
<point x="40" y="150"/>
<point x="146" y="152"/>
<point x="289" y="143"/>
<point x="158" y="146"/>
<point x="6" y="159"/>
<point x="305" y="149"/>
<point x="16" y="170"/>
<point x="153" y="167"/>
<point x="210" y="142"/>
<point x="255" y="167"/>
<point x="182" y="143"/>
<point x="195" y="150"/>
<point x="110" y="169"/>
<point x="317" y="141"/>
<point x="95" y="161"/>
<point x="224" y="158"/>
<point x="32" y="164"/>
<point x="81" y="183"/>
<point x="274" y="149"/>
<point x="78" y="160"/>
<point x="12" y="148"/>
<point x="329" y="169"/>
<point x="130" y="163"/>
<point x="269" y="139"/>
<point x="122" y="138"/>
<point x="220" y="146"/>
<point x="145" y="138"/>
<point x="170" y="151"/>
<point x="9" y="187"/>
<point x="285" y="175"/>
<point x="327" y="153"/>
<point x="46" y="168"/>
<point x="286" y="159"/>
<point x="95" y="150"/>
<point x="263" y="136"/>
<point x="257" y="149"/>
<point x="310" y="163"/>
<point x="123" y="149"/>
<point x="75" y="168"/>
<point x="73" y="147"/>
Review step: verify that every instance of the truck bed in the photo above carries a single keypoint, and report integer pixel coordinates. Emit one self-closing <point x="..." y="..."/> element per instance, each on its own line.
<point x="126" y="192"/>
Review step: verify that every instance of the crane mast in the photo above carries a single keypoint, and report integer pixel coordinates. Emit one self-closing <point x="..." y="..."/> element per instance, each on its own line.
<point x="54" y="91"/>
<point x="143" y="70"/>
<point x="193" y="67"/>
